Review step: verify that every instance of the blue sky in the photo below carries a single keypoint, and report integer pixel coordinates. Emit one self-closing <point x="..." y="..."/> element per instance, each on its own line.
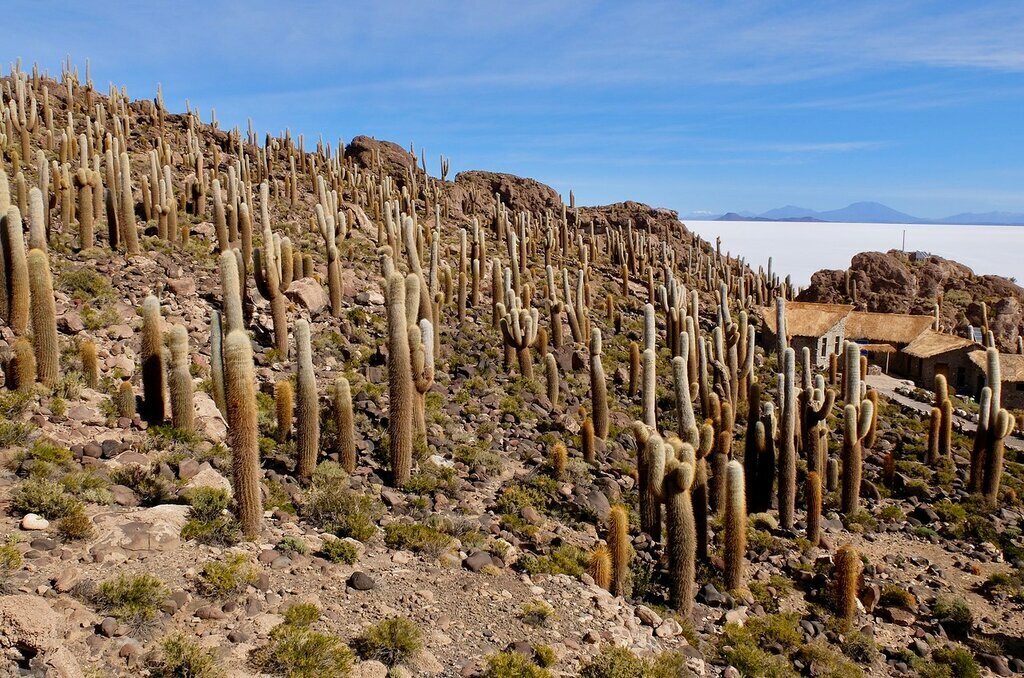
<point x="713" y="106"/>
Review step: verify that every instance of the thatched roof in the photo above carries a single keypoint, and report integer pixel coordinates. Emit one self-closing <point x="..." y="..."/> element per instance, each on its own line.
<point x="931" y="343"/>
<point x="878" y="348"/>
<point x="1011" y="365"/>
<point x="890" y="328"/>
<point x="806" y="319"/>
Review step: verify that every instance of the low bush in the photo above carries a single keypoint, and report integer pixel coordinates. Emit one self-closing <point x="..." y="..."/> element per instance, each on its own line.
<point x="340" y="551"/>
<point x="391" y="642"/>
<point x="225" y="579"/>
<point x="180" y="657"/>
<point x="132" y="599"/>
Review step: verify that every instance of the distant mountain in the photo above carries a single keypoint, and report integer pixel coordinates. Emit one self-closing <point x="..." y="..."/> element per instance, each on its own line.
<point x="868" y="213"/>
<point x="863" y="213"/>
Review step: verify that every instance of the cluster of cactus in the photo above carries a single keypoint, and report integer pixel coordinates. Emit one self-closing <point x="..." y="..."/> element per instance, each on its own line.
<point x="994" y="425"/>
<point x="940" y="429"/>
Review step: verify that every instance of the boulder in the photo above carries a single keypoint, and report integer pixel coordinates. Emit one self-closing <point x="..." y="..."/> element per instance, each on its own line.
<point x="152" y="529"/>
<point x="31" y="628"/>
<point x="309" y="294"/>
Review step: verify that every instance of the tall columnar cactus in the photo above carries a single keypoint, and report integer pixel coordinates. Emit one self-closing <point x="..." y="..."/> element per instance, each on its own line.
<point x="699" y="490"/>
<point x="851" y="374"/>
<point x="814" y="508"/>
<point x="400" y="385"/>
<point x="816" y="408"/>
<point x="943" y="435"/>
<point x="519" y="329"/>
<point x="720" y="457"/>
<point x="559" y="461"/>
<point x="243" y="431"/>
<point x="681" y="542"/>
<point x="344" y="423"/>
<point x="152" y="361"/>
<point x="787" y="442"/>
<point x="934" y="432"/>
<point x="180" y="380"/>
<point x="44" y="318"/>
<point x="307" y="406"/>
<point x="945" y="428"/>
<point x="634" y="369"/>
<point x="90" y="363"/>
<point x="618" y="544"/>
<point x="587" y="443"/>
<point x="855" y="429"/>
<point x="999" y="423"/>
<point x="217" y="361"/>
<point x="17" y="271"/>
<point x="846" y="584"/>
<point x="126" y="220"/>
<point x="685" y="418"/>
<point x="598" y="386"/>
<point x="649" y="380"/>
<point x="268" y="283"/>
<point x="231" y="292"/>
<point x="600" y="567"/>
<point x="21" y="370"/>
<point x="735" y="527"/>
<point x="553" y="379"/>
<point x="651" y="473"/>
<point x="421" y="347"/>
<point x="284" y="409"/>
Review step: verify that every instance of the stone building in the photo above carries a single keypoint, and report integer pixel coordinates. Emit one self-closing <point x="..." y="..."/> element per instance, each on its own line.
<point x="933" y="353"/>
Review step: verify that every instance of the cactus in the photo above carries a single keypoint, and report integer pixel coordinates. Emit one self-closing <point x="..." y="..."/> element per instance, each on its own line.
<point x="90" y="363"/>
<point x="180" y="380"/>
<point x="400" y="384"/>
<point x="651" y="473"/>
<point x="240" y="388"/>
<point x="787" y="443"/>
<point x="21" y="370"/>
<point x="720" y="457"/>
<point x="699" y="490"/>
<point x="851" y="374"/>
<point x="598" y="386"/>
<point x="152" y="361"/>
<point x="559" y="461"/>
<point x="44" y="318"/>
<point x="17" y="271"/>
<point x="231" y="292"/>
<point x="813" y="508"/>
<point x="600" y="567"/>
<point x="217" y="361"/>
<point x="421" y="347"/>
<point x="124" y="400"/>
<point x="685" y="419"/>
<point x="816" y="409"/>
<point x="855" y="429"/>
<point x="648" y="399"/>
<point x="934" y="432"/>
<point x="284" y="397"/>
<point x="553" y="380"/>
<point x="634" y="369"/>
<point x="268" y="284"/>
<point x="681" y="542"/>
<point x="344" y="424"/>
<point x="735" y="527"/>
<point x="307" y="407"/>
<point x="519" y="330"/>
<point x="621" y="550"/>
<point x="832" y="474"/>
<point x="587" y="443"/>
<point x="846" y="582"/>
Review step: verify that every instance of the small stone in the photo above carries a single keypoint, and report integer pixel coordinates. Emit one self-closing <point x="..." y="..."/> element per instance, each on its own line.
<point x="34" y="521"/>
<point x="360" y="581"/>
<point x="108" y="627"/>
<point x="210" y="612"/>
<point x="477" y="561"/>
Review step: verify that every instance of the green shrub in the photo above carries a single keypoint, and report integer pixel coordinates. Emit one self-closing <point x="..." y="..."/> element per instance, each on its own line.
<point x="133" y="599"/>
<point x="14" y="433"/>
<point x="338" y="509"/>
<point x="87" y="486"/>
<point x="860" y="647"/>
<point x="614" y="662"/>
<point x="416" y="537"/>
<point x="391" y="642"/>
<point x="302" y="614"/>
<point x="76" y="525"/>
<point x="959" y="660"/>
<point x="180" y="657"/>
<point x="291" y="546"/>
<point x="513" y="665"/>
<point x="10" y="560"/>
<point x="544" y="655"/>
<point x="208" y="520"/>
<point x="563" y="559"/>
<point x="228" y="578"/>
<point x="297" y="651"/>
<point x="340" y="551"/>
<point x="45" y="497"/>
<point x="536" y="613"/>
<point x="896" y="596"/>
<point x="145" y="482"/>
<point x="954" y="615"/>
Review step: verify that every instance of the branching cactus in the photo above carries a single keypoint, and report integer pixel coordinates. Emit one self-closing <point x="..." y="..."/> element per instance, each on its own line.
<point x="519" y="329"/>
<point x="817" y="407"/>
<point x="855" y="429"/>
<point x="307" y="406"/>
<point x="344" y="424"/>
<point x="598" y="386"/>
<point x="400" y="383"/>
<point x="268" y="284"/>
<point x="180" y="380"/>
<point x="240" y="385"/>
<point x="735" y="527"/>
<point x="995" y="424"/>
<point x="421" y="347"/>
<point x="685" y="418"/>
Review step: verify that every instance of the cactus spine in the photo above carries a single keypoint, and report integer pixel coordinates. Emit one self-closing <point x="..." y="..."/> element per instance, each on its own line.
<point x="344" y="424"/>
<point x="735" y="527"/>
<point x="180" y="381"/>
<point x="400" y="386"/>
<point x="44" y="318"/>
<point x="240" y="386"/>
<point x="307" y="430"/>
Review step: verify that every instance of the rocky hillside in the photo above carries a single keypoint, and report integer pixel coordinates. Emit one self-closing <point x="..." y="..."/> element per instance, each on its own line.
<point x="900" y="282"/>
<point x="268" y="410"/>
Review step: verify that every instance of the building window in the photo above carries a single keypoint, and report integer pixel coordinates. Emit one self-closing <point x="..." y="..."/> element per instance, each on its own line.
<point x="1019" y="386"/>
